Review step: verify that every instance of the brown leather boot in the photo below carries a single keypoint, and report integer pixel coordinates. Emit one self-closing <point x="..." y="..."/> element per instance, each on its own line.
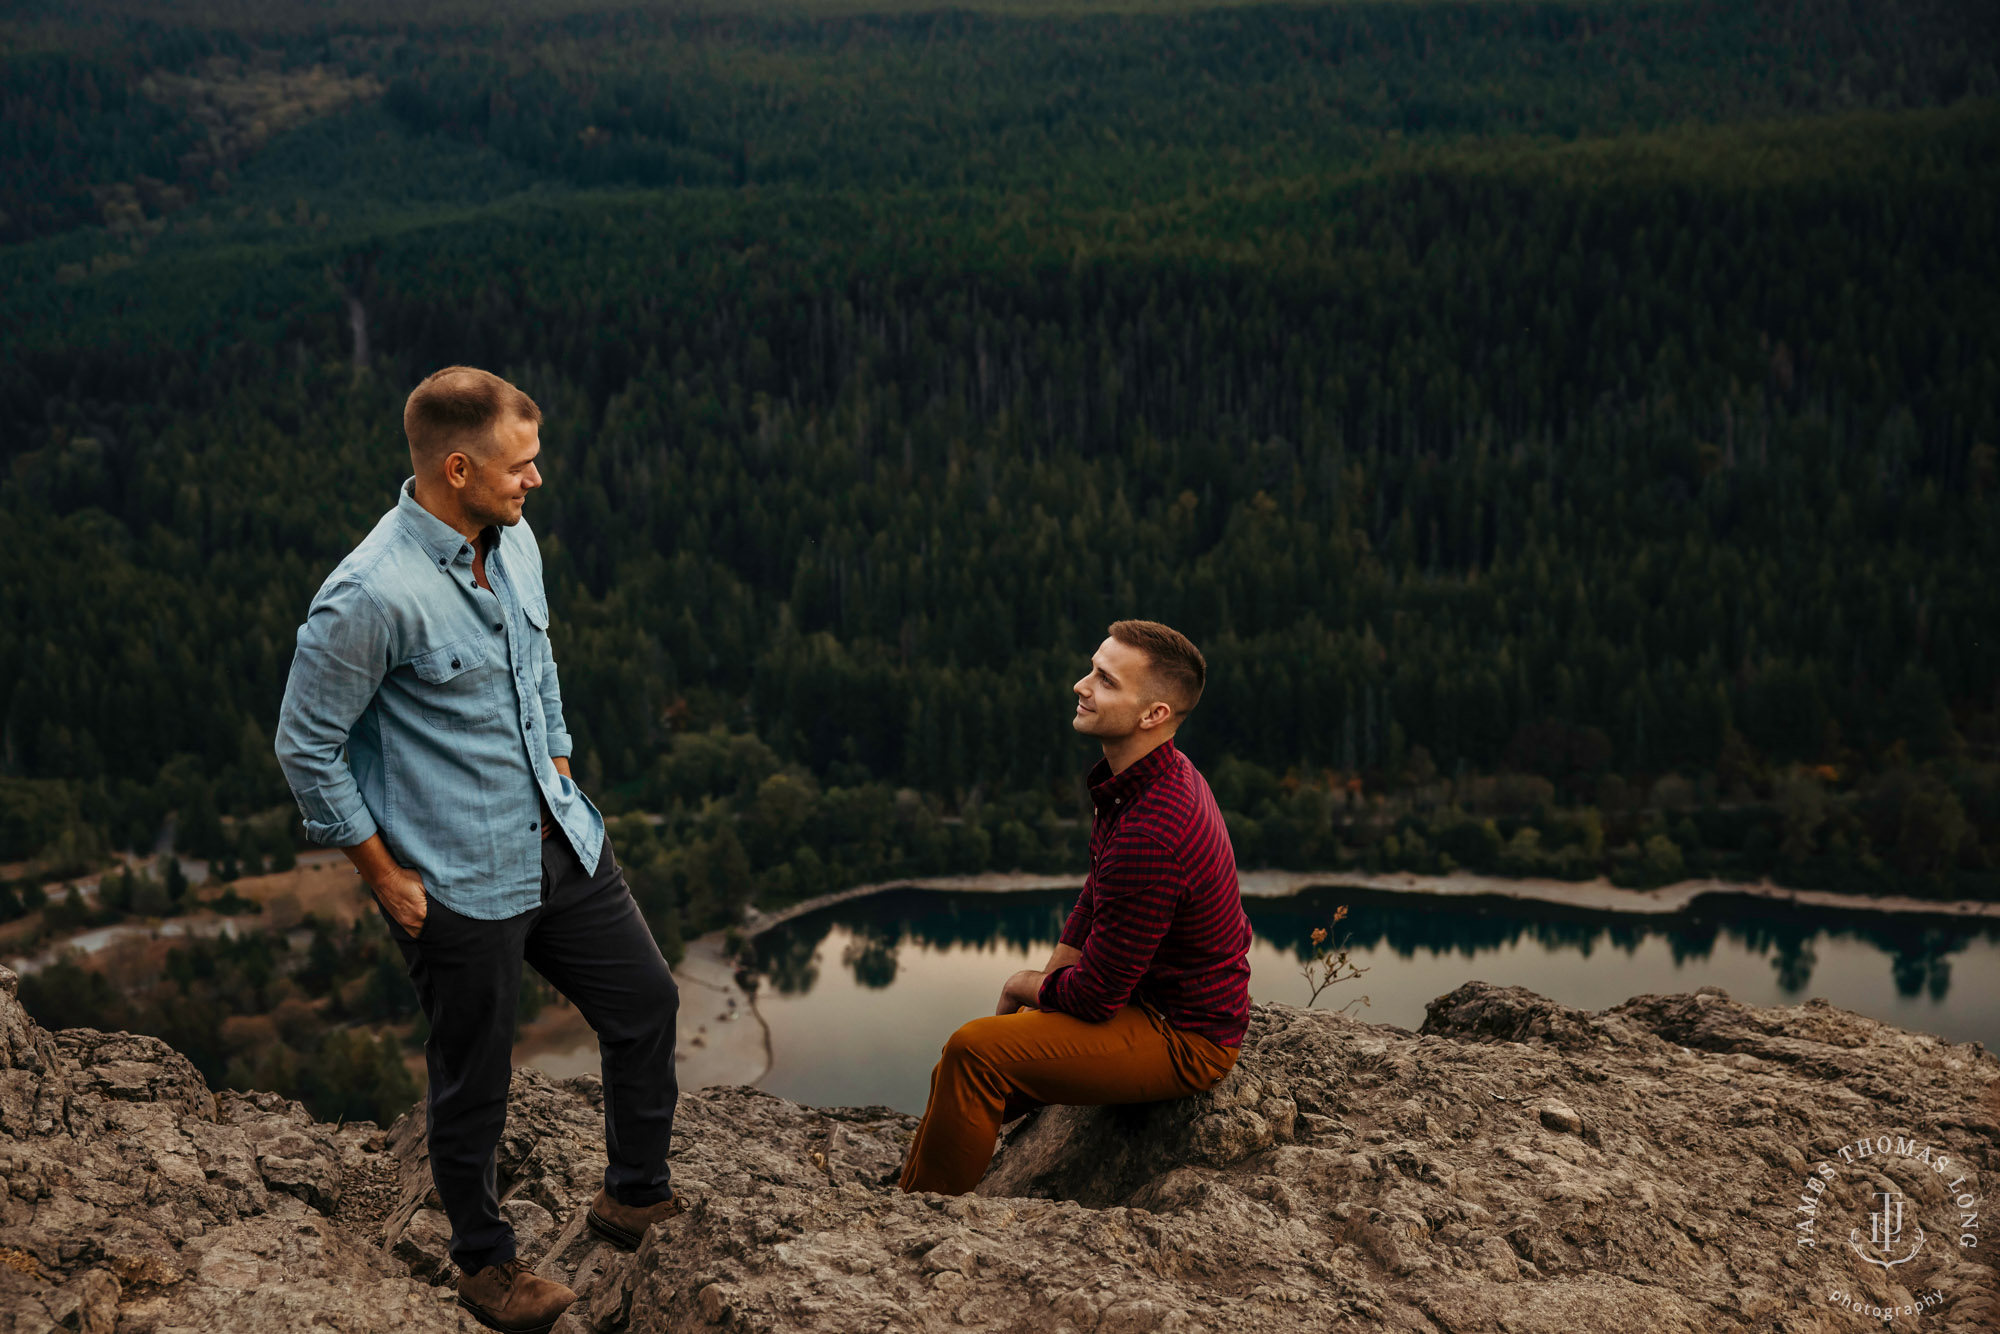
<point x="625" y="1225"/>
<point x="513" y="1299"/>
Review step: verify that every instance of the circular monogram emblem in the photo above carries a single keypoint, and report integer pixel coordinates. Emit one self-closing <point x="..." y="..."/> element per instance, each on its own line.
<point x="1897" y="1214"/>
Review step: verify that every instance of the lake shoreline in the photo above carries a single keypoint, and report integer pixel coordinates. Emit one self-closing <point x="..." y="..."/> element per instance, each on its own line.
<point x="720" y="1037"/>
<point x="1596" y="895"/>
<point x="731" y="1043"/>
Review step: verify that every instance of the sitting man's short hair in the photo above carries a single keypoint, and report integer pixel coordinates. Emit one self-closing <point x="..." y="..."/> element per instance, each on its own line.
<point x="1178" y="667"/>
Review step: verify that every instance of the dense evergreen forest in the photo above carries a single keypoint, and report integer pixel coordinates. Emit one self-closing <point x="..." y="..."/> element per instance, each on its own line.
<point x="1568" y="428"/>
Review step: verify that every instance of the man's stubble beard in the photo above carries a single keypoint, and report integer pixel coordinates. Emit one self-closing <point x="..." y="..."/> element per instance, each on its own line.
<point x="504" y="517"/>
<point x="1094" y="732"/>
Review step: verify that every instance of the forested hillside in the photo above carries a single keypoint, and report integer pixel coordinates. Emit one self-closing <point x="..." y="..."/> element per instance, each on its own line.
<point x="1569" y="429"/>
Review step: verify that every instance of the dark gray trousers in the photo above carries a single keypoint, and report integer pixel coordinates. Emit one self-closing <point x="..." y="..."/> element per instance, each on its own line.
<point x="588" y="939"/>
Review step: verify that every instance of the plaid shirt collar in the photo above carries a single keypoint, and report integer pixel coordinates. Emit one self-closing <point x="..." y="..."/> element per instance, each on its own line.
<point x="1111" y="793"/>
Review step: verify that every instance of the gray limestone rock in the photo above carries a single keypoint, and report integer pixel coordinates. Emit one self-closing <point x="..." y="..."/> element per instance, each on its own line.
<point x="1515" y="1165"/>
<point x="138" y="1202"/>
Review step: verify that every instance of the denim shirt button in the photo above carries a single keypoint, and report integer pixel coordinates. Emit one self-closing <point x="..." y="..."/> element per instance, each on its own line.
<point x="454" y="662"/>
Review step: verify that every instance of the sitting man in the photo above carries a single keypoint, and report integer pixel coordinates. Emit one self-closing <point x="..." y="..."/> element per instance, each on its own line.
<point x="1147" y="995"/>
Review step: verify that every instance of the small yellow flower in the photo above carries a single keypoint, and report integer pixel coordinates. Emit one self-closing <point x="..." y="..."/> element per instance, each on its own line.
<point x="1319" y="935"/>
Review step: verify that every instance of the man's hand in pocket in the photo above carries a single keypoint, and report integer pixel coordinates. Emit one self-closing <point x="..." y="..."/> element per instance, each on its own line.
<point x="401" y="894"/>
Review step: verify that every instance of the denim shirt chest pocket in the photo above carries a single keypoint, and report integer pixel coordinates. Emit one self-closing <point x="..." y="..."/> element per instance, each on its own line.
<point x="535" y="607"/>
<point x="454" y="685"/>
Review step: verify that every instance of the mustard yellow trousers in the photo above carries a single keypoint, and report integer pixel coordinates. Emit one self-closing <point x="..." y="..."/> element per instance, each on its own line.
<point x="996" y="1068"/>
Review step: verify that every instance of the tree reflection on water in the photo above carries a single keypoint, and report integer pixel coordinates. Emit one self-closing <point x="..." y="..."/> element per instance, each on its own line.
<point x="1919" y="949"/>
<point x="789" y="956"/>
<point x="871" y="953"/>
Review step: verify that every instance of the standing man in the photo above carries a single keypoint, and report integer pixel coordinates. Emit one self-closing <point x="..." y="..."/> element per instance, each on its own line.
<point x="425" y="659"/>
<point x="1147" y="995"/>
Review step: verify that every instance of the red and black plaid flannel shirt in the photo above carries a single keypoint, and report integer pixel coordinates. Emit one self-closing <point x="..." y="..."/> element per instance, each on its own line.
<point x="1161" y="916"/>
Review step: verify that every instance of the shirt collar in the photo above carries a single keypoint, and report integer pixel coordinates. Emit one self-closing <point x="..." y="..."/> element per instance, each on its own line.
<point x="445" y="543"/>
<point x="1114" y="792"/>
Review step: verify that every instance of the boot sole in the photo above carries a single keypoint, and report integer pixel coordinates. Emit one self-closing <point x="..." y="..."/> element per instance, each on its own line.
<point x="611" y="1232"/>
<point x="485" y="1320"/>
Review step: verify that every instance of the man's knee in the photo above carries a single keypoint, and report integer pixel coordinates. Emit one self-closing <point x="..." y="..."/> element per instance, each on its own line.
<point x="972" y="1041"/>
<point x="651" y="1016"/>
<point x="656" y="1016"/>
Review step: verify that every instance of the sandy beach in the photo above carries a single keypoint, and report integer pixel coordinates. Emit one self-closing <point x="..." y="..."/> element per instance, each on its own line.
<point x="723" y="1040"/>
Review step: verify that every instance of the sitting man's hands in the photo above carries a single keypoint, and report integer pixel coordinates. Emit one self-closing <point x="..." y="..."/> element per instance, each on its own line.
<point x="1024" y="989"/>
<point x="1022" y="992"/>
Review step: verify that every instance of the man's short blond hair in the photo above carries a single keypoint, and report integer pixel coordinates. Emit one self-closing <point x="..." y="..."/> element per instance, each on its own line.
<point x="456" y="409"/>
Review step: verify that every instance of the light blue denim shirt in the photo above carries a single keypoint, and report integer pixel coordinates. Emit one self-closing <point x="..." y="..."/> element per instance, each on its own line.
<point x="443" y="696"/>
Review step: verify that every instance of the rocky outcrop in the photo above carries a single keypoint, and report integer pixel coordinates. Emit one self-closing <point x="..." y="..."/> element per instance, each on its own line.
<point x="1515" y="1165"/>
<point x="139" y="1202"/>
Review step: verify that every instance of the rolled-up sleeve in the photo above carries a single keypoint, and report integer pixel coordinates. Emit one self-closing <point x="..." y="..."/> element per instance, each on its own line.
<point x="343" y="653"/>
<point x="1137" y="891"/>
